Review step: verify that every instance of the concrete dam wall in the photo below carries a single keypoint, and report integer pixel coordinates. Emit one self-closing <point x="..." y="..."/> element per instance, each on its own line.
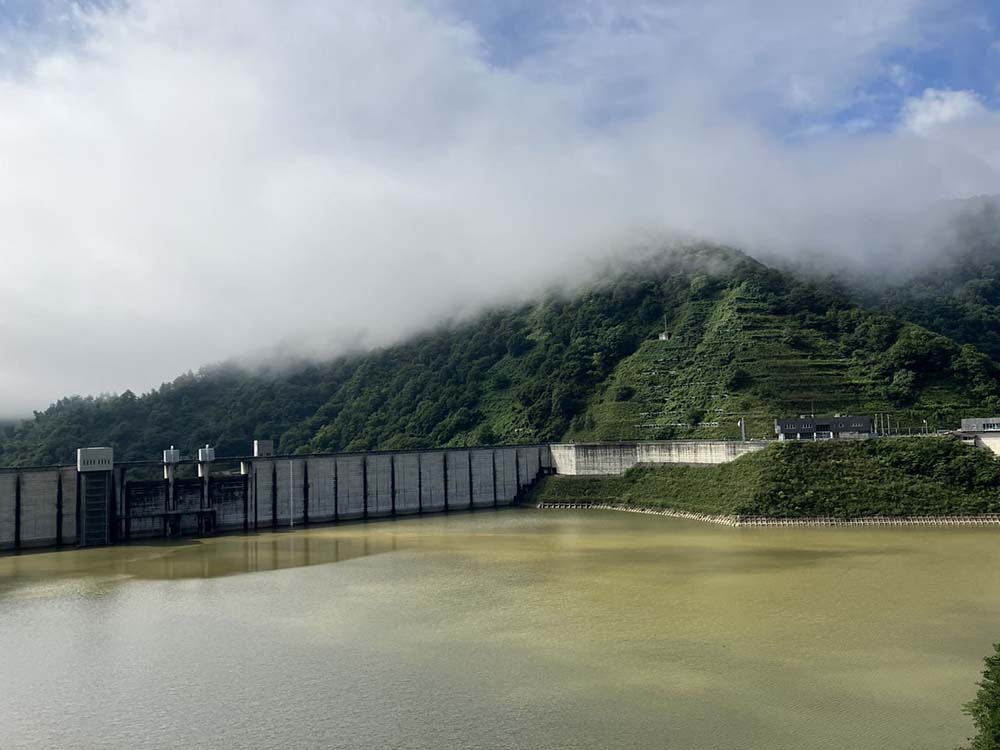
<point x="75" y="505"/>
<point x="33" y="507"/>
<point x="580" y="459"/>
<point x="60" y="505"/>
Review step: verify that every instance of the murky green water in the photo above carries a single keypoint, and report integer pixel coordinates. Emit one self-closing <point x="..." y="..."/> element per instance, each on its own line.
<point x="517" y="629"/>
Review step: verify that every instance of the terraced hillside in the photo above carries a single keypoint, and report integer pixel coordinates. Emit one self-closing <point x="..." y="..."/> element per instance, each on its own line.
<point x="734" y="355"/>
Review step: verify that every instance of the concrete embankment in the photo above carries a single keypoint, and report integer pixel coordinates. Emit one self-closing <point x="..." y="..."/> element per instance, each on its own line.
<point x="985" y="519"/>
<point x="609" y="459"/>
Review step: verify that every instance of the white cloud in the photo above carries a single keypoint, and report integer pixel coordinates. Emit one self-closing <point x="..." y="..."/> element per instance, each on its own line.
<point x="757" y="55"/>
<point x="185" y="182"/>
<point x="939" y="107"/>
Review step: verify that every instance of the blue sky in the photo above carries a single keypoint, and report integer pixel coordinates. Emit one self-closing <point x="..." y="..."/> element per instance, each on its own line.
<point x="943" y="44"/>
<point x="948" y="45"/>
<point x="32" y="16"/>
<point x="961" y="51"/>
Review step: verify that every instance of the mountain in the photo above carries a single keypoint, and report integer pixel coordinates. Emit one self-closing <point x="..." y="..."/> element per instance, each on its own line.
<point x="743" y="339"/>
<point x="957" y="295"/>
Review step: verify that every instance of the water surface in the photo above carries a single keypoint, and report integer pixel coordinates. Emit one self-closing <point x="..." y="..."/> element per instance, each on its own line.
<point x="516" y="629"/>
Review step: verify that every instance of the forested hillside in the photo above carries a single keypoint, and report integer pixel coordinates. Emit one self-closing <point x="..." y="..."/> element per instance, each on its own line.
<point x="957" y="295"/>
<point x="744" y="339"/>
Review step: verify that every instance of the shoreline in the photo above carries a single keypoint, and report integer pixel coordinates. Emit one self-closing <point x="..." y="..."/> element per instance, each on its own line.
<point x="982" y="519"/>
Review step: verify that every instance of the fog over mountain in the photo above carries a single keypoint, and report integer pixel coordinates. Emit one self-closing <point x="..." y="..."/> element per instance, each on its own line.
<point x="186" y="182"/>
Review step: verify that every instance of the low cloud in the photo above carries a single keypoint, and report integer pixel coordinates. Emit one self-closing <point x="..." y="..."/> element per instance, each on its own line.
<point x="188" y="182"/>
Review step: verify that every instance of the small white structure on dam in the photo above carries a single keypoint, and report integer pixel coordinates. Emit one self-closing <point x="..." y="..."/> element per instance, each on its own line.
<point x="984" y="432"/>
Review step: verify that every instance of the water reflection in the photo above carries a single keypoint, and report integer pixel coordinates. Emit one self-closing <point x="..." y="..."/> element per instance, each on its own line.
<point x="200" y="558"/>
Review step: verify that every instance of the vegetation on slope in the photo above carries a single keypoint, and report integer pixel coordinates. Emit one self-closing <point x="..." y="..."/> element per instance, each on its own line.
<point x="958" y="295"/>
<point x="849" y="479"/>
<point x="745" y="341"/>
<point x="755" y="347"/>
<point x="985" y="707"/>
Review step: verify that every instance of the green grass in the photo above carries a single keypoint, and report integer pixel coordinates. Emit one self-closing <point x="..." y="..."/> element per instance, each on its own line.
<point x="897" y="477"/>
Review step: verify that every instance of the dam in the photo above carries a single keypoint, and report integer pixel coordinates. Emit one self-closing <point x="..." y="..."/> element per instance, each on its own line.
<point x="99" y="501"/>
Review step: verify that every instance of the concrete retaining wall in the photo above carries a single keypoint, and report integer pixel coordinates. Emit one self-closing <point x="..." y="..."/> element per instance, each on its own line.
<point x="385" y="484"/>
<point x="35" y="508"/>
<point x="988" y="441"/>
<point x="351" y="487"/>
<point x="563" y="458"/>
<point x="459" y="491"/>
<point x="38" y="508"/>
<point x="227" y="499"/>
<point x="322" y="483"/>
<point x="582" y="459"/>
<point x="432" y="481"/>
<point x="409" y="478"/>
<point x="7" y="511"/>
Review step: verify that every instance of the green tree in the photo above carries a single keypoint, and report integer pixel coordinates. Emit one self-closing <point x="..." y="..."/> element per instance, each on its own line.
<point x="901" y="389"/>
<point x="919" y="350"/>
<point x="624" y="393"/>
<point x="485" y="435"/>
<point x="985" y="707"/>
<point x="738" y="378"/>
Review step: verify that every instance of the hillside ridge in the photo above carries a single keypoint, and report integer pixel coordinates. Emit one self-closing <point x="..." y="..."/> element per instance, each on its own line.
<point x="742" y="340"/>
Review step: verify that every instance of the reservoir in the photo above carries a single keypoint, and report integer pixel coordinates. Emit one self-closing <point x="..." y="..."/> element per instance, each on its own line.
<point x="516" y="628"/>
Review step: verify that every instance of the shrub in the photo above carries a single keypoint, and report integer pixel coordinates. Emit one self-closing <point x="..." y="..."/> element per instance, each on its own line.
<point x="624" y="393"/>
<point x="985" y="707"/>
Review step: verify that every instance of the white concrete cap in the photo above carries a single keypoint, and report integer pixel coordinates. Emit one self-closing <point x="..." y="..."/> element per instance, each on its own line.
<point x="95" y="459"/>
